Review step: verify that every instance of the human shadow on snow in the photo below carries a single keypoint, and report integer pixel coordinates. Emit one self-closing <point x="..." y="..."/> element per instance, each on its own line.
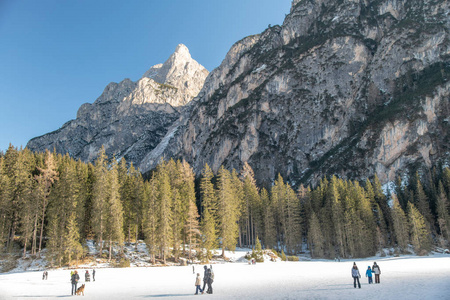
<point x="165" y="295"/>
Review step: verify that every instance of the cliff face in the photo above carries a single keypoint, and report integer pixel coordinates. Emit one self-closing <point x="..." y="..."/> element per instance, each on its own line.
<point x="130" y="118"/>
<point x="348" y="87"/>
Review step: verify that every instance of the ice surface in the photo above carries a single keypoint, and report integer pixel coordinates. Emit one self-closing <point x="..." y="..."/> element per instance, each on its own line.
<point x="407" y="277"/>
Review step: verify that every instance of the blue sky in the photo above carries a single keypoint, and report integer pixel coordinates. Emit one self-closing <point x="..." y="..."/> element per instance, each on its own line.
<point x="56" y="55"/>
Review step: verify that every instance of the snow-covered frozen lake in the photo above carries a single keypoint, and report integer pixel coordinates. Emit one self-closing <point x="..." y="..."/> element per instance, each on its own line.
<point x="408" y="277"/>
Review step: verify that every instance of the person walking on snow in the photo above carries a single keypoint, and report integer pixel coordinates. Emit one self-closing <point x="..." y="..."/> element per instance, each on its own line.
<point x="197" y="284"/>
<point x="93" y="274"/>
<point x="74" y="279"/>
<point x="356" y="275"/>
<point x="205" y="277"/>
<point x="210" y="280"/>
<point x="376" y="269"/>
<point x="369" y="274"/>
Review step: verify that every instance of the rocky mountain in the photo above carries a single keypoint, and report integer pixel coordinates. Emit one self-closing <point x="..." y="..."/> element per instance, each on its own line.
<point x="130" y="118"/>
<point x="347" y="87"/>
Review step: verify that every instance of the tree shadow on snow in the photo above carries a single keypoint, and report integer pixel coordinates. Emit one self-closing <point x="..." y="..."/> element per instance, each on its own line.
<point x="165" y="295"/>
<point x="42" y="296"/>
<point x="332" y="287"/>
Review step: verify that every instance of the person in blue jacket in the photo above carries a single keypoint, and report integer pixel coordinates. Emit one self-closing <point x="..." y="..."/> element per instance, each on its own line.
<point x="356" y="275"/>
<point x="369" y="274"/>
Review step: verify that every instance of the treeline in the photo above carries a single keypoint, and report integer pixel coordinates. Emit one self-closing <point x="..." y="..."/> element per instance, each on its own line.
<point x="53" y="201"/>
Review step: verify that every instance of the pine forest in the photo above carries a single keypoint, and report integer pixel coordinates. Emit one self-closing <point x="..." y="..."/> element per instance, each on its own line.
<point x="52" y="201"/>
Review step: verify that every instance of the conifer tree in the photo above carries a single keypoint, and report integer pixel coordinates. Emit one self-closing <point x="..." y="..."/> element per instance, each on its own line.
<point x="63" y="231"/>
<point x="45" y="179"/>
<point x="315" y="237"/>
<point x="400" y="225"/>
<point x="113" y="212"/>
<point x="304" y="195"/>
<point x="228" y="212"/>
<point x="270" y="234"/>
<point x="187" y="191"/>
<point x="422" y="203"/>
<point x="293" y="221"/>
<point x="5" y="201"/>
<point x="252" y="211"/>
<point x="443" y="216"/>
<point x="24" y="207"/>
<point x="420" y="235"/>
<point x="209" y="209"/>
<point x="164" y="208"/>
<point x="337" y="215"/>
<point x="150" y="220"/>
<point x="100" y="194"/>
<point x="257" y="252"/>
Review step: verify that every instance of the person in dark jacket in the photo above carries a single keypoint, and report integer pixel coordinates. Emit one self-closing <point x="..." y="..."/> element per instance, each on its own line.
<point x="74" y="279"/>
<point x="376" y="269"/>
<point x="356" y="275"/>
<point x="205" y="278"/>
<point x="93" y="274"/>
<point x="210" y="280"/>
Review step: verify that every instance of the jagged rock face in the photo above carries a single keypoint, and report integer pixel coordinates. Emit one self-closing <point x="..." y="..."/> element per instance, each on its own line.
<point x="349" y="87"/>
<point x="130" y="118"/>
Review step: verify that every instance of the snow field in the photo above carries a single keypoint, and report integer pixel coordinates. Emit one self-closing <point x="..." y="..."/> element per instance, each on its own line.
<point x="408" y="277"/>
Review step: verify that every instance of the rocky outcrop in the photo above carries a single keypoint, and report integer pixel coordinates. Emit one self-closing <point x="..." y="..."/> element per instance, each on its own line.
<point x="350" y="87"/>
<point x="130" y="118"/>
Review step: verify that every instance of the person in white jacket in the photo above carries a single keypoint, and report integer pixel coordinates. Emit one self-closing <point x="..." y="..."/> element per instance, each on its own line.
<point x="376" y="269"/>
<point x="356" y="275"/>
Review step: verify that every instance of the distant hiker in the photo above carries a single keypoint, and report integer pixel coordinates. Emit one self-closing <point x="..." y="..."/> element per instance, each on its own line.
<point x="205" y="277"/>
<point x="376" y="269"/>
<point x="74" y="279"/>
<point x="356" y="275"/>
<point x="87" y="276"/>
<point x="93" y="274"/>
<point x="43" y="276"/>
<point x="197" y="284"/>
<point x="369" y="274"/>
<point x="46" y="275"/>
<point x="193" y="270"/>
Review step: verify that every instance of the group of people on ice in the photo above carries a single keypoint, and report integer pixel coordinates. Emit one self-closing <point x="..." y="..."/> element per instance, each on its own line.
<point x="208" y="279"/>
<point x="356" y="275"/>
<point x="74" y="278"/>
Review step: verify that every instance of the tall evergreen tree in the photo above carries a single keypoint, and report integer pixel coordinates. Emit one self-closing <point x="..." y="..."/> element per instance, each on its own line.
<point x="209" y="210"/>
<point x="252" y="212"/>
<point x="422" y="203"/>
<point x="100" y="193"/>
<point x="443" y="216"/>
<point x="165" y="215"/>
<point x="400" y="225"/>
<point x="150" y="219"/>
<point x="46" y="178"/>
<point x="113" y="212"/>
<point x="228" y="212"/>
<point x="270" y="234"/>
<point x="420" y="235"/>
<point x="191" y="232"/>
<point x="315" y="237"/>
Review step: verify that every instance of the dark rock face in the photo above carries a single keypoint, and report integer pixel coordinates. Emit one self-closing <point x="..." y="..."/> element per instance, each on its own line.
<point x="349" y="87"/>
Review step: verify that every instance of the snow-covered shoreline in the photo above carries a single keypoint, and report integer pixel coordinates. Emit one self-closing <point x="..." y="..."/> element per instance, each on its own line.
<point x="405" y="277"/>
